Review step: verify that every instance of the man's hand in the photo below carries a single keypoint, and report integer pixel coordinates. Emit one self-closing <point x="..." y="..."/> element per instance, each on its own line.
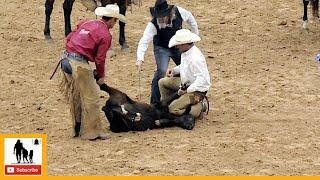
<point x="100" y="81"/>
<point x="169" y="73"/>
<point x="181" y="92"/>
<point x="139" y="65"/>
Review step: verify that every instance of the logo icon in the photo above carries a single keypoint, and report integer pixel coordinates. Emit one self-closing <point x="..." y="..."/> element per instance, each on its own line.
<point x="23" y="156"/>
<point x="10" y="170"/>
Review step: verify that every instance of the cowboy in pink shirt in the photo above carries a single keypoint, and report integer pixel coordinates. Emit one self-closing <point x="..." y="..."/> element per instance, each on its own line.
<point x="90" y="41"/>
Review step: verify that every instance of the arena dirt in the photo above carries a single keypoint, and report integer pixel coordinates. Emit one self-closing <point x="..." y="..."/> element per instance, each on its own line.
<point x="264" y="117"/>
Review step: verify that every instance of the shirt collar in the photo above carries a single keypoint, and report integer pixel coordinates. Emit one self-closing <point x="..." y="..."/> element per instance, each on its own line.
<point x="104" y="22"/>
<point x="189" y="52"/>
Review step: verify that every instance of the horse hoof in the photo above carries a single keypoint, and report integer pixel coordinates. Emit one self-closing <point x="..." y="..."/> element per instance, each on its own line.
<point x="305" y="25"/>
<point x="126" y="50"/>
<point x="47" y="37"/>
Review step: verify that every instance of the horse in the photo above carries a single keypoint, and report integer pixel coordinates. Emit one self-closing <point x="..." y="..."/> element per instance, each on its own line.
<point x="67" y="8"/>
<point x="315" y="11"/>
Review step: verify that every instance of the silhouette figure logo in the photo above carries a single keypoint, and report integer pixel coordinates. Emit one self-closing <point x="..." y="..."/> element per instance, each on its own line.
<point x="23" y="156"/>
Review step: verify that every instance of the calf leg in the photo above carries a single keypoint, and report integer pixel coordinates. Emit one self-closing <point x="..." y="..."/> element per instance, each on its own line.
<point x="48" y="10"/>
<point x="161" y="123"/>
<point x="186" y="121"/>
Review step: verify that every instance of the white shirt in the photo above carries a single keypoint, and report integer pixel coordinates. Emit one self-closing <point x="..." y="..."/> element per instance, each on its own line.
<point x="151" y="31"/>
<point x="193" y="70"/>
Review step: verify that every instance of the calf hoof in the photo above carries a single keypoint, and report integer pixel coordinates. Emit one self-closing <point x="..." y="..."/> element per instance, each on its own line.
<point x="157" y="122"/>
<point x="188" y="122"/>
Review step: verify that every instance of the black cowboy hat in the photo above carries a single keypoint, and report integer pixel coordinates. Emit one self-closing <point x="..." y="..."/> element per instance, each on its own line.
<point x="161" y="9"/>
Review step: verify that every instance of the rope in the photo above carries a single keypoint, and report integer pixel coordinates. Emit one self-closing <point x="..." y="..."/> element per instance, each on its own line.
<point x="55" y="70"/>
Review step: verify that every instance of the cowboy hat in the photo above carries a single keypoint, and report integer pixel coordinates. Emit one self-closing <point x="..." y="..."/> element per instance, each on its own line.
<point x="161" y="9"/>
<point x="91" y="5"/>
<point x="111" y="10"/>
<point x="183" y="36"/>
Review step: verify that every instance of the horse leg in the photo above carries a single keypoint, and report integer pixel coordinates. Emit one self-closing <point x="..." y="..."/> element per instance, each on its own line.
<point x="305" y="15"/>
<point x="48" y="10"/>
<point x="122" y="39"/>
<point x="67" y="8"/>
<point x="316" y="9"/>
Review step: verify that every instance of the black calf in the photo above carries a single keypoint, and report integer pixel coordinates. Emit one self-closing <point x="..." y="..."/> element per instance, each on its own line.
<point x="125" y="114"/>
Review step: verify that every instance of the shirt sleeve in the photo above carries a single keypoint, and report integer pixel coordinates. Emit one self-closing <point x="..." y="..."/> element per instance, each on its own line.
<point x="101" y="56"/>
<point x="147" y="37"/>
<point x="201" y="83"/>
<point x="176" y="70"/>
<point x="189" y="18"/>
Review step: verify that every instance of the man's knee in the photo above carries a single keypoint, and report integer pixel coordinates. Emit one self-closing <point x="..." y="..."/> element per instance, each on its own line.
<point x="163" y="82"/>
<point x="160" y="73"/>
<point x="175" y="110"/>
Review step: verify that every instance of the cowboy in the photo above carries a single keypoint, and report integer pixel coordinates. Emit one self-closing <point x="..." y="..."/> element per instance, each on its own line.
<point x="167" y="19"/>
<point x="90" y="41"/>
<point x="193" y="73"/>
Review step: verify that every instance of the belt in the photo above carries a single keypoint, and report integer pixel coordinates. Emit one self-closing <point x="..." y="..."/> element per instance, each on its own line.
<point x="74" y="56"/>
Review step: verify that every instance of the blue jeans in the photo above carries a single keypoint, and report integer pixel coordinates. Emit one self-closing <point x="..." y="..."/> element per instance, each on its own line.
<point x="162" y="56"/>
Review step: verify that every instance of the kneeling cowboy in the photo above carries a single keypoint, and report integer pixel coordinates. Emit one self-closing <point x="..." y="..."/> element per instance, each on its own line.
<point x="193" y="71"/>
<point x="90" y="41"/>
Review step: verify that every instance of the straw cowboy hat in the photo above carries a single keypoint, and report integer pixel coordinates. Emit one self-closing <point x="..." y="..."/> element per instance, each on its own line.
<point x="183" y="36"/>
<point x="111" y="10"/>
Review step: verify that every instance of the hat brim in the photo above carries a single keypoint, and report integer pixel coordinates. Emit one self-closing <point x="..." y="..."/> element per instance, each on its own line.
<point x="100" y="11"/>
<point x="174" y="42"/>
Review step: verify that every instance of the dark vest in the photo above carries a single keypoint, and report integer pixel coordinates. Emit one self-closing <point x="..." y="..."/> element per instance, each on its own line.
<point x="164" y="35"/>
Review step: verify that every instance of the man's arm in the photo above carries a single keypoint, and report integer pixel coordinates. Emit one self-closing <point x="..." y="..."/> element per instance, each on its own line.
<point x="147" y="37"/>
<point x="176" y="70"/>
<point x="202" y="82"/>
<point x="101" y="56"/>
<point x="189" y="18"/>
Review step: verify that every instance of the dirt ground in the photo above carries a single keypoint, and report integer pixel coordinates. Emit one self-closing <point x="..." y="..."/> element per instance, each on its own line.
<point x="265" y="110"/>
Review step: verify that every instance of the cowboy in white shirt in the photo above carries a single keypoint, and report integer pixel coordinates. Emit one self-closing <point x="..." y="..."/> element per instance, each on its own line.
<point x="193" y="72"/>
<point x="167" y="19"/>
